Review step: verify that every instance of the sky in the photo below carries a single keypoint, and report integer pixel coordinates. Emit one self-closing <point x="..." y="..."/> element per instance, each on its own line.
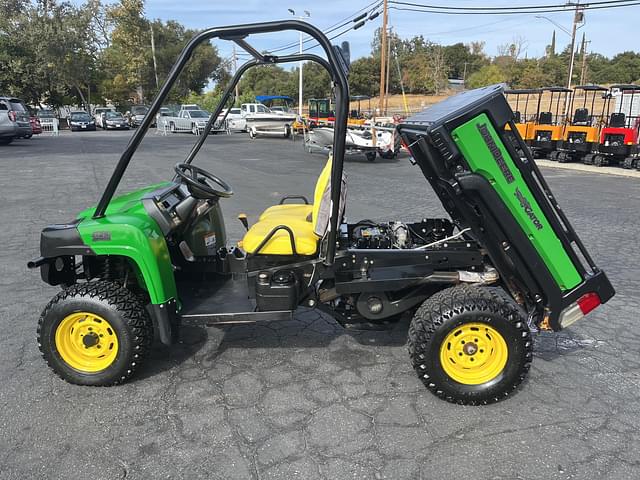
<point x="607" y="30"/>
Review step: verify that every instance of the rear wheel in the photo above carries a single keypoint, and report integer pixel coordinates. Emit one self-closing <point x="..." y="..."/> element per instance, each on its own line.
<point x="599" y="161"/>
<point x="470" y="345"/>
<point x="628" y="163"/>
<point x="95" y="333"/>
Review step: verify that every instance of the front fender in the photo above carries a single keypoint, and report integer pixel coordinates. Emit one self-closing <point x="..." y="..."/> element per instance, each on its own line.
<point x="138" y="237"/>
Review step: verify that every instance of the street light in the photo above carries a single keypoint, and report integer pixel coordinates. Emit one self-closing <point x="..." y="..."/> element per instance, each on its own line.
<point x="300" y="17"/>
<point x="578" y="17"/>
<point x="555" y="23"/>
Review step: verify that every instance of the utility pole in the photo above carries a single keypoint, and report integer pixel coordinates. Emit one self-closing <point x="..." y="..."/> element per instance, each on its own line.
<point x="464" y="75"/>
<point x="583" y="53"/>
<point x="387" y="82"/>
<point x="235" y="69"/>
<point x="300" y="17"/>
<point x="578" y="17"/>
<point x="153" y="52"/>
<point x="383" y="51"/>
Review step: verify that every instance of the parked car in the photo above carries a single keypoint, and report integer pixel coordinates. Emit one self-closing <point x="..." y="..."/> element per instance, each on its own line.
<point x="79" y="121"/>
<point x="99" y="113"/>
<point x="36" y="127"/>
<point x="236" y="120"/>
<point x="48" y="119"/>
<point x="114" y="121"/>
<point x="136" y="115"/>
<point x="14" y="120"/>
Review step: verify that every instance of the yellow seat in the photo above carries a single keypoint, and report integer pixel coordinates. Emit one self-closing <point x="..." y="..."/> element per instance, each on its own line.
<point x="306" y="241"/>
<point x="301" y="220"/>
<point x="297" y="210"/>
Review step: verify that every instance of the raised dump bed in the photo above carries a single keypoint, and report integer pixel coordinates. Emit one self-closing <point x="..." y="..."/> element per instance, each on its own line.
<point x="464" y="151"/>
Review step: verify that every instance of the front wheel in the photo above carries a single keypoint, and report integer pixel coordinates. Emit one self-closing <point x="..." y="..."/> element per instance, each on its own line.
<point x="371" y="156"/>
<point x="95" y="333"/>
<point x="470" y="345"/>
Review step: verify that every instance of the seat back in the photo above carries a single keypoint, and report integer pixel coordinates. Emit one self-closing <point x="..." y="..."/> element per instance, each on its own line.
<point x="322" y="199"/>
<point x="546" y="118"/>
<point x="581" y="116"/>
<point x="617" y="120"/>
<point x="517" y="117"/>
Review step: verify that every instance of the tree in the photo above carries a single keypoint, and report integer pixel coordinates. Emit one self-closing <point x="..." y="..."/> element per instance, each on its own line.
<point x="364" y="77"/>
<point x="487" y="75"/>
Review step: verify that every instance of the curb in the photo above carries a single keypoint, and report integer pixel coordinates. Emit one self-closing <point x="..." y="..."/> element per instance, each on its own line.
<point x="620" y="172"/>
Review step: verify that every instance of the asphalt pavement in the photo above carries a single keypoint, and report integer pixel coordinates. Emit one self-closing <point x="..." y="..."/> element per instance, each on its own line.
<point x="306" y="399"/>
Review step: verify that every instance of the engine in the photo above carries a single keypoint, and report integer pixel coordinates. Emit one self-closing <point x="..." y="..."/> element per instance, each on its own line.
<point x="368" y="234"/>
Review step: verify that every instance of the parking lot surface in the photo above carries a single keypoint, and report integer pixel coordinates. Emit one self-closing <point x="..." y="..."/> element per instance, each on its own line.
<point x="306" y="399"/>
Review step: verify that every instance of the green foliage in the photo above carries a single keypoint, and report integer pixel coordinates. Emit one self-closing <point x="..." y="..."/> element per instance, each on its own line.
<point x="487" y="75"/>
<point x="364" y="77"/>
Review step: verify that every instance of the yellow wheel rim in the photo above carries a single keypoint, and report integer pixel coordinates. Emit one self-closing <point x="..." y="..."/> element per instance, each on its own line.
<point x="86" y="342"/>
<point x="473" y="353"/>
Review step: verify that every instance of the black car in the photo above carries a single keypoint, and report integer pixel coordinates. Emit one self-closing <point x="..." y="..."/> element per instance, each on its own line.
<point x="80" y="121"/>
<point x="137" y="114"/>
<point x="114" y="121"/>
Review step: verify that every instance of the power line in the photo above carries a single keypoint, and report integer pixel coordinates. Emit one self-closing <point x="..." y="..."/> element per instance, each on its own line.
<point x="507" y="11"/>
<point x="332" y="28"/>
<point x="529" y="7"/>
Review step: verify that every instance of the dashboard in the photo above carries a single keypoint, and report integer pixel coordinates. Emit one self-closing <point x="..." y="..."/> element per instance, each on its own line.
<point x="170" y="206"/>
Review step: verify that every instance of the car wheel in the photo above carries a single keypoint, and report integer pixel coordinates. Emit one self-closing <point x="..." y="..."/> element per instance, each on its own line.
<point x="95" y="333"/>
<point x="470" y="345"/>
<point x="6" y="140"/>
<point x="371" y="156"/>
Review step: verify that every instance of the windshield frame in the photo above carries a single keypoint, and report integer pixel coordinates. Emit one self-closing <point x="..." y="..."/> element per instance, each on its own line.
<point x="335" y="64"/>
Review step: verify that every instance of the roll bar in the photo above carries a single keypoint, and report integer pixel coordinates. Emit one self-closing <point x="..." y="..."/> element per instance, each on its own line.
<point x="334" y="64"/>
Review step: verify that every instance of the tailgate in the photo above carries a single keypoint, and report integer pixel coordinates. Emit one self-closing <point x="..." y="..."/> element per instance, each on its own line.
<point x="461" y="146"/>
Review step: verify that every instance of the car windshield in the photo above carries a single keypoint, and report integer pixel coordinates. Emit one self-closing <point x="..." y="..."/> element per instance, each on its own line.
<point x="235" y="111"/>
<point x="139" y="110"/>
<point x="45" y="114"/>
<point x="113" y="115"/>
<point x="17" y="106"/>
<point x="199" y="114"/>
<point x="80" y="117"/>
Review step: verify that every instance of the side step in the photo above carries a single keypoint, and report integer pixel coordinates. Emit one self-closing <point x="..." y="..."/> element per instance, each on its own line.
<point x="212" y="319"/>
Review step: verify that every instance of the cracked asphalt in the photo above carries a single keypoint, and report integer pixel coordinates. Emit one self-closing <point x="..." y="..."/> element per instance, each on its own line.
<point x="306" y="399"/>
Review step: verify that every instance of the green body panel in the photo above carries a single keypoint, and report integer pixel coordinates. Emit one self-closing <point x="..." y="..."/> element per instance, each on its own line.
<point x="486" y="155"/>
<point x="128" y="230"/>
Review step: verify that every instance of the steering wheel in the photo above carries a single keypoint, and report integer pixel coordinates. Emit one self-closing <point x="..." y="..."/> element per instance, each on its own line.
<point x="199" y="182"/>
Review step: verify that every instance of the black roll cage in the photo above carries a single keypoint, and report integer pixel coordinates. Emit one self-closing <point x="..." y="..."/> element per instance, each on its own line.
<point x="334" y="64"/>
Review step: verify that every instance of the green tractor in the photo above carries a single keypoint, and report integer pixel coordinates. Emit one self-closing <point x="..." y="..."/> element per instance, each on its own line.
<point x="506" y="263"/>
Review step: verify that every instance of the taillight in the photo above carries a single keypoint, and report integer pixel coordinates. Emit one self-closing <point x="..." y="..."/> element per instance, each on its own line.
<point x="589" y="301"/>
<point x="12" y="116"/>
<point x="573" y="313"/>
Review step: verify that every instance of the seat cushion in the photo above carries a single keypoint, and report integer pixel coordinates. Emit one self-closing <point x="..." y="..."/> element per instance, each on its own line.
<point x="295" y="211"/>
<point x="306" y="241"/>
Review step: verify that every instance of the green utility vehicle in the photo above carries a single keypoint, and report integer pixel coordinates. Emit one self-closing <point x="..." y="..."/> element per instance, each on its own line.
<point x="506" y="263"/>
